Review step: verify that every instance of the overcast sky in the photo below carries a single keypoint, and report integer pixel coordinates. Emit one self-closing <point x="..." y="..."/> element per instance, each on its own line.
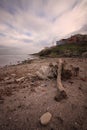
<point x="31" y="25"/>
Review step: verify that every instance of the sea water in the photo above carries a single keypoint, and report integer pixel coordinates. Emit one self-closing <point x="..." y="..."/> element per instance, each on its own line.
<point x="14" y="59"/>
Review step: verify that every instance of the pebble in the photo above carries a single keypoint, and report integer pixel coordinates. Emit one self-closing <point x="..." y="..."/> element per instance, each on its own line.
<point x="45" y="118"/>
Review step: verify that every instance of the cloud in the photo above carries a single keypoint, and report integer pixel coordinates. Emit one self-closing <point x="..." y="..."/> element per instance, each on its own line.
<point x="84" y="28"/>
<point x="32" y="25"/>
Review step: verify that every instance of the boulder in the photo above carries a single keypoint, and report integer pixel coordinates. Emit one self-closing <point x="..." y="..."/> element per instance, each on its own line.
<point x="46" y="72"/>
<point x="43" y="72"/>
<point x="45" y="118"/>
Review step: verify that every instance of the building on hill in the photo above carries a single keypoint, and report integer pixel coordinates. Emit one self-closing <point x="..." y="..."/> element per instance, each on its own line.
<point x="73" y="39"/>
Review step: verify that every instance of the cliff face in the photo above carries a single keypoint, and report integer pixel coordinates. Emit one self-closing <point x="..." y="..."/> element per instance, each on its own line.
<point x="78" y="39"/>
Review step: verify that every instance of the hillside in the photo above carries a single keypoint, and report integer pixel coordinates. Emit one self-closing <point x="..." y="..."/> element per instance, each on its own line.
<point x="75" y="46"/>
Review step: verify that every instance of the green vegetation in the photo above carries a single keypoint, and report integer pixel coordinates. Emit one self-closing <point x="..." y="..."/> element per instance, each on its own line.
<point x="67" y="50"/>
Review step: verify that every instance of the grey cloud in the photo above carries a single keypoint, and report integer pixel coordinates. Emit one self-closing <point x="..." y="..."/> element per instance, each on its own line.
<point x="84" y="28"/>
<point x="27" y="40"/>
<point x="38" y="22"/>
<point x="76" y="2"/>
<point x="2" y="35"/>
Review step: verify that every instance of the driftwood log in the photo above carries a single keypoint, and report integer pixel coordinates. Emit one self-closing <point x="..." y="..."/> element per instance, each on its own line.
<point x="62" y="71"/>
<point x="61" y="91"/>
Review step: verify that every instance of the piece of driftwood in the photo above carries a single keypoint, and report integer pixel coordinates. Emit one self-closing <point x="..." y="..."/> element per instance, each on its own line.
<point x="61" y="91"/>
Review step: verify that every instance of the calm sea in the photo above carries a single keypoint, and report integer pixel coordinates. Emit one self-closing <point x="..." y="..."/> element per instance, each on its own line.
<point x="13" y="59"/>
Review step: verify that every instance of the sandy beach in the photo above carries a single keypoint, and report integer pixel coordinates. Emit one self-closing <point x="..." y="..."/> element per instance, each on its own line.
<point x="25" y="98"/>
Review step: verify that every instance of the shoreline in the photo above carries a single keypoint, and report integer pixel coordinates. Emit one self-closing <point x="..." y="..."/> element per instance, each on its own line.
<point x="29" y="59"/>
<point x="36" y="57"/>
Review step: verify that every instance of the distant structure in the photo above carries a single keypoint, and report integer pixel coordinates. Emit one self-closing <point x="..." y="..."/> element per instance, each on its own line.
<point x="73" y="39"/>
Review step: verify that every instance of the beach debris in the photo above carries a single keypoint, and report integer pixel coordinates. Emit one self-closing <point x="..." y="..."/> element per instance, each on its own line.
<point x="75" y="70"/>
<point x="43" y="85"/>
<point x="66" y="72"/>
<point x="6" y="78"/>
<point x="7" y="91"/>
<point x="45" y="118"/>
<point x="47" y="72"/>
<point x="50" y="71"/>
<point x="13" y="75"/>
<point x="20" y="79"/>
<point x="71" y="82"/>
<point x="10" y="81"/>
<point x="30" y="75"/>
